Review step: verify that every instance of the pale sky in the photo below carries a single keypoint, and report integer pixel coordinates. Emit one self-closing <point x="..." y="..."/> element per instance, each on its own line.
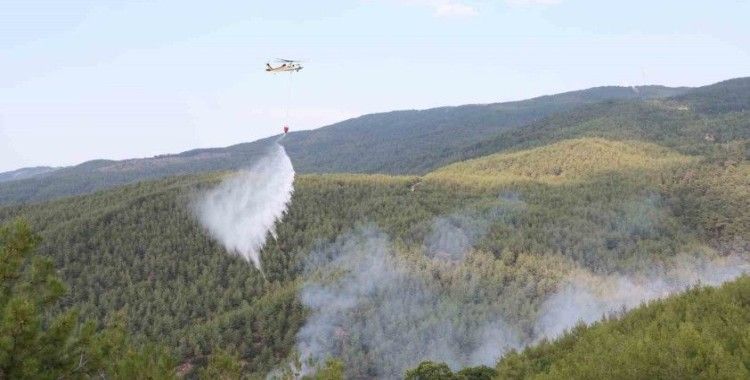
<point x="132" y="78"/>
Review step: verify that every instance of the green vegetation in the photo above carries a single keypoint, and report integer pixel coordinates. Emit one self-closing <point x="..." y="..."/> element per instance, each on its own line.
<point x="713" y="201"/>
<point x="37" y="343"/>
<point x="439" y="371"/>
<point x="722" y="97"/>
<point x="700" y="334"/>
<point x="659" y="121"/>
<point x="25" y="173"/>
<point x="137" y="252"/>
<point x="560" y="163"/>
<point x="570" y="185"/>
<point x="402" y="142"/>
<point x="416" y="142"/>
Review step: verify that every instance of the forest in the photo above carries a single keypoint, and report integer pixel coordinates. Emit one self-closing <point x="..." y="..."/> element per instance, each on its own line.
<point x="707" y="330"/>
<point x="707" y="326"/>
<point x="415" y="142"/>
<point x="466" y="266"/>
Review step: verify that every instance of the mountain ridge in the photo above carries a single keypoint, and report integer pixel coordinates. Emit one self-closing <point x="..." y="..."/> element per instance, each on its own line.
<point x="26" y="172"/>
<point x="653" y="91"/>
<point x="416" y="142"/>
<point x="396" y="142"/>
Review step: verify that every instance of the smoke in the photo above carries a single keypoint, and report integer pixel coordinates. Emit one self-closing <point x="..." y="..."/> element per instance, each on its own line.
<point x="587" y="298"/>
<point x="366" y="298"/>
<point x="383" y="306"/>
<point x="383" y="311"/>
<point x="242" y="210"/>
<point x="452" y="237"/>
<point x="400" y="308"/>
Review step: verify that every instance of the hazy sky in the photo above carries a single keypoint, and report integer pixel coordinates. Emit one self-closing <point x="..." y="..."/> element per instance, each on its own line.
<point x="126" y="78"/>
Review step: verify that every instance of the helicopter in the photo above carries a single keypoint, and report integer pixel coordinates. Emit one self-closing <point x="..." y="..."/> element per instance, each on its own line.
<point x="290" y="66"/>
<point x="287" y="65"/>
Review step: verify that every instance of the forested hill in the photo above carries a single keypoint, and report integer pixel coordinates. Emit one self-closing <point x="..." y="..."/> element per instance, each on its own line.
<point x="415" y="142"/>
<point x="393" y="143"/>
<point x="708" y="331"/>
<point x="577" y="205"/>
<point x="25" y="173"/>
<point x="694" y="123"/>
<point x="530" y="221"/>
<point x="701" y="334"/>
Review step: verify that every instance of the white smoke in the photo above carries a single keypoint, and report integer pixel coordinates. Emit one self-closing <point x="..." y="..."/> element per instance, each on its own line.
<point x="364" y="297"/>
<point x="381" y="307"/>
<point x="452" y="237"/>
<point x="242" y="210"/>
<point x="374" y="307"/>
<point x="587" y="298"/>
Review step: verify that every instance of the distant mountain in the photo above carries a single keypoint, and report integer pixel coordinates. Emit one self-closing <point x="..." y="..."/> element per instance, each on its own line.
<point x="394" y="142"/>
<point x="732" y="95"/>
<point x="25" y="173"/>
<point x="694" y="122"/>
<point x="415" y="142"/>
<point x="411" y="142"/>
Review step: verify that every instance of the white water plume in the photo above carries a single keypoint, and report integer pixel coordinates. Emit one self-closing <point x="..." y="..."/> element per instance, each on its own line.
<point x="242" y="210"/>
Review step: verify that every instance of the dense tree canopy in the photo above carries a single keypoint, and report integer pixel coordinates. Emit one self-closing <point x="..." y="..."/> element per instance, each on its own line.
<point x="137" y="251"/>
<point x="36" y="343"/>
<point x="609" y="188"/>
<point x="701" y="334"/>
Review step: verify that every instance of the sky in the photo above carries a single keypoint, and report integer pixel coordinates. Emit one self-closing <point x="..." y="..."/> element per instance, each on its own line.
<point x="88" y="79"/>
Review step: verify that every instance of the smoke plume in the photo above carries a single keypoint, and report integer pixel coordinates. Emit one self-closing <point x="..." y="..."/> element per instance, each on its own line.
<point x="585" y="297"/>
<point x="383" y="311"/>
<point x="382" y="305"/>
<point x="242" y="210"/>
<point x="452" y="237"/>
<point x="364" y="296"/>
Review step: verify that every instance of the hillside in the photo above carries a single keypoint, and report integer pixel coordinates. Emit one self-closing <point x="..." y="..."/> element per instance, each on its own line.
<point x="401" y="142"/>
<point x="444" y="243"/>
<point x="562" y="162"/>
<point x="25" y="173"/>
<point x="530" y="222"/>
<point x="722" y="97"/>
<point x="700" y="334"/>
<point x="415" y="142"/>
<point x="701" y="121"/>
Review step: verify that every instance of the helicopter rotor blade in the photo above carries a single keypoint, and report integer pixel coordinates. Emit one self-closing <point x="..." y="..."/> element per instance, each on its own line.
<point x="287" y="60"/>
